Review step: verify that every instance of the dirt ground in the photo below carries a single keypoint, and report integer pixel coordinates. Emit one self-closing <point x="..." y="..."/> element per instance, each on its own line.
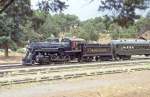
<point x="131" y="84"/>
<point x="13" y="58"/>
<point x="10" y="60"/>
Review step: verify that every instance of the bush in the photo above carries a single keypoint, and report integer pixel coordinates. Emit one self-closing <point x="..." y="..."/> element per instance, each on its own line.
<point x="1" y="50"/>
<point x="21" y="50"/>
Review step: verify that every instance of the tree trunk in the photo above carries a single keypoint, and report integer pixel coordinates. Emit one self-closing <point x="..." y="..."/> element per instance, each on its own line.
<point x="6" y="51"/>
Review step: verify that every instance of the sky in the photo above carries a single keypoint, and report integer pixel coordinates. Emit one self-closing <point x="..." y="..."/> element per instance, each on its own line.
<point x="83" y="8"/>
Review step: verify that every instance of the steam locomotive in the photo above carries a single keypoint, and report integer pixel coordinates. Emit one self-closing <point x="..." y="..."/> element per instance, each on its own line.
<point x="69" y="49"/>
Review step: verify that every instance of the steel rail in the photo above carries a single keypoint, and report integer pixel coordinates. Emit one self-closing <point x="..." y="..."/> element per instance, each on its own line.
<point x="15" y="66"/>
<point x="34" y="74"/>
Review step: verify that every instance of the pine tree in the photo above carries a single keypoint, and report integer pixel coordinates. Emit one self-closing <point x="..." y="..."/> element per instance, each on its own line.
<point x="6" y="39"/>
<point x="123" y="11"/>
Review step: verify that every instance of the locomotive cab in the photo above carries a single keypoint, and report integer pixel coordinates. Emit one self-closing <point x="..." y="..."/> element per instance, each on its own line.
<point x="75" y="48"/>
<point x="75" y="43"/>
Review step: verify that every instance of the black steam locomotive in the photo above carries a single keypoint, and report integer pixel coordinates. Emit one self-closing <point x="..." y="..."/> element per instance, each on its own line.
<point x="69" y="49"/>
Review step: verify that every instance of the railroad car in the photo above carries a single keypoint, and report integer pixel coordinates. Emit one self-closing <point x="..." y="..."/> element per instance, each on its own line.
<point x="96" y="51"/>
<point x="124" y="49"/>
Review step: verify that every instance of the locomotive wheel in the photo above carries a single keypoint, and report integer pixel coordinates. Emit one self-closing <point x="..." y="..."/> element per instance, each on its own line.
<point x="61" y="52"/>
<point x="53" y="57"/>
<point x="83" y="59"/>
<point x="90" y="59"/>
<point x="86" y="59"/>
<point x="68" y="58"/>
<point x="96" y="58"/>
<point x="117" y="58"/>
<point x="147" y="55"/>
<point x="80" y="59"/>
<point x="104" y="58"/>
<point x="127" y="57"/>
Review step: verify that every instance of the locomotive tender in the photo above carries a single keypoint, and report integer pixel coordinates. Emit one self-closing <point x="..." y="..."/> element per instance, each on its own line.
<point x="69" y="49"/>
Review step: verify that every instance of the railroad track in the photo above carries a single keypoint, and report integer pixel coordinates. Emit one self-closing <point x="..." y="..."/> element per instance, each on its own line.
<point x="9" y="66"/>
<point x="45" y="73"/>
<point x="15" y="66"/>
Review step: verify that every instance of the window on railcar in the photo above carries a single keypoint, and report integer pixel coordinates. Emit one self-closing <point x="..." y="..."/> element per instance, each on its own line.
<point x="127" y="47"/>
<point x="140" y="47"/>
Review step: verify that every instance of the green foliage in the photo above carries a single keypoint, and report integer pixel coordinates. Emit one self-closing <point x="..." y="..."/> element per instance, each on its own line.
<point x="21" y="50"/>
<point x="4" y="4"/>
<point x="83" y="34"/>
<point x="130" y="32"/>
<point x="142" y="22"/>
<point x="52" y="5"/>
<point x="123" y="11"/>
<point x="11" y="22"/>
<point x="29" y="33"/>
<point x="53" y="25"/>
<point x="4" y="40"/>
<point x="44" y="5"/>
<point x="19" y="10"/>
<point x="114" y="30"/>
<point x="6" y="34"/>
<point x="148" y="14"/>
<point x="91" y="28"/>
<point x="117" y="31"/>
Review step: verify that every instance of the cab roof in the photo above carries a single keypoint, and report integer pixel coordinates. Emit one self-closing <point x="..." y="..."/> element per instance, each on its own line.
<point x="131" y="41"/>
